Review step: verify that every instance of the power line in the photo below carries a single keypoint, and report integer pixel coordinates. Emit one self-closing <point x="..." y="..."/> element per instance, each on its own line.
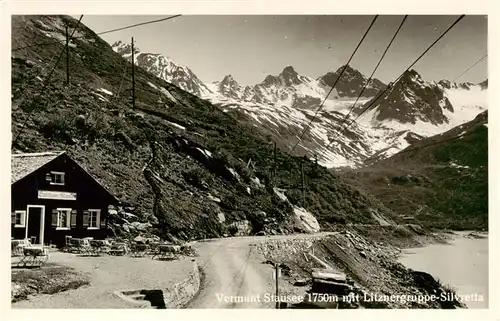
<point x="373" y="73"/>
<point x="139" y="24"/>
<point x="372" y="102"/>
<point x="99" y="33"/>
<point x="473" y="65"/>
<point x="390" y="85"/>
<point x="335" y="83"/>
<point x="45" y="85"/>
<point x="376" y="67"/>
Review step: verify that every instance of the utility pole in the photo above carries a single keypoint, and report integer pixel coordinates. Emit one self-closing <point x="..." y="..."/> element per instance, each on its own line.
<point x="302" y="179"/>
<point x="67" y="56"/>
<point x="133" y="75"/>
<point x="274" y="166"/>
<point x="277" y="275"/>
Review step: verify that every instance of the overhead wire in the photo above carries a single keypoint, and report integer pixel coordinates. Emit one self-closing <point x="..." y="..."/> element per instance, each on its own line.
<point x="335" y="83"/>
<point x="391" y="84"/>
<point x="369" y="79"/>
<point x="46" y="83"/>
<point x="41" y="44"/>
<point x="472" y="66"/>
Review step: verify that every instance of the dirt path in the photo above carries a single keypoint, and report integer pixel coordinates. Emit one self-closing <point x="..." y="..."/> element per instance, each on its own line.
<point x="234" y="273"/>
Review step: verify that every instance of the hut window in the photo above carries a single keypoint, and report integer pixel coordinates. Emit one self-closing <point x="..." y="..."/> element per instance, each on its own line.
<point x="56" y="178"/>
<point x="63" y="218"/>
<point x="94" y="219"/>
<point x="20" y="219"/>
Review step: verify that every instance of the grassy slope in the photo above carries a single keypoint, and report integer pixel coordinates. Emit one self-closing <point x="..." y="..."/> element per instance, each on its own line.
<point x="425" y="184"/>
<point x="149" y="164"/>
<point x="48" y="279"/>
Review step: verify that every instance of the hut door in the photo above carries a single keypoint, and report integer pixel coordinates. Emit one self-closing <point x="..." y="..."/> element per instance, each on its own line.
<point x="35" y="223"/>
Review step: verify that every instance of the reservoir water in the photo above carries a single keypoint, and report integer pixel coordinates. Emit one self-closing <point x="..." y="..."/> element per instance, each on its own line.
<point x="461" y="264"/>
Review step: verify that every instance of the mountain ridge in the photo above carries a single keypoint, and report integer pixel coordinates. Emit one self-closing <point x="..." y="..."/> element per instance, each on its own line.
<point x="281" y="105"/>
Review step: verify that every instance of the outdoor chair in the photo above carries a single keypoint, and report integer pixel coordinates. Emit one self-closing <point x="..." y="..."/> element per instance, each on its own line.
<point x="33" y="256"/>
<point x="139" y="249"/>
<point x="18" y="245"/>
<point x="167" y="252"/>
<point x="81" y="246"/>
<point x="119" y="248"/>
<point x="100" y="247"/>
<point x="68" y="245"/>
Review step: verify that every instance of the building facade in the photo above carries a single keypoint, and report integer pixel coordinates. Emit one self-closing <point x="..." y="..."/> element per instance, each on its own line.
<point x="52" y="196"/>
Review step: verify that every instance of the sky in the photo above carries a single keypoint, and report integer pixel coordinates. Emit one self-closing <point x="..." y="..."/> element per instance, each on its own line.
<point x="254" y="46"/>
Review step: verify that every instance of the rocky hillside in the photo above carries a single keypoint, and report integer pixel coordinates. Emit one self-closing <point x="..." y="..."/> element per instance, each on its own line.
<point x="177" y="162"/>
<point x="440" y="181"/>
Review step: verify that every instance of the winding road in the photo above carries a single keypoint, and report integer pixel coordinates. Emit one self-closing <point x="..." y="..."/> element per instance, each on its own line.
<point x="234" y="275"/>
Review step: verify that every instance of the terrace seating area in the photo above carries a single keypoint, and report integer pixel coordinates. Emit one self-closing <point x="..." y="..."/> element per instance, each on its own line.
<point x="119" y="247"/>
<point x="30" y="255"/>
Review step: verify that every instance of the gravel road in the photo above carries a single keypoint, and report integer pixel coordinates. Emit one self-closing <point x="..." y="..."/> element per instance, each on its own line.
<point x="234" y="273"/>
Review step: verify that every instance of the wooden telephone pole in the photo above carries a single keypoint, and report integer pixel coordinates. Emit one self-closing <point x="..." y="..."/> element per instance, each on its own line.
<point x="277" y="275"/>
<point x="133" y="75"/>
<point x="274" y="165"/>
<point x="302" y="181"/>
<point x="67" y="56"/>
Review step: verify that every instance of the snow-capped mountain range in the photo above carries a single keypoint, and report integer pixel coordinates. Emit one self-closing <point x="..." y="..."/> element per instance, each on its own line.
<point x="288" y="88"/>
<point x="283" y="105"/>
<point x="165" y="68"/>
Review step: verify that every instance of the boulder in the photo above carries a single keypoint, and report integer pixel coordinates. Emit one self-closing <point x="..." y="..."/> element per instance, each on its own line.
<point x="329" y="274"/>
<point x="280" y="193"/>
<point x="213" y="198"/>
<point x="140" y="226"/>
<point x="222" y="217"/>
<point x="305" y="221"/>
<point x="240" y="228"/>
<point x="256" y="184"/>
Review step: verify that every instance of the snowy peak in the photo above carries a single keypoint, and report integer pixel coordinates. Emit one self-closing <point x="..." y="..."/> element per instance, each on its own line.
<point x="412" y="100"/>
<point x="124" y="49"/>
<point x="165" y="68"/>
<point x="464" y="85"/>
<point x="426" y="108"/>
<point x="287" y="78"/>
<point x="351" y="83"/>
<point x="229" y="87"/>
<point x="290" y="77"/>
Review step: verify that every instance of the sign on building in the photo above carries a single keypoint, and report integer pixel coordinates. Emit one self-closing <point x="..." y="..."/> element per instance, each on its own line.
<point x="56" y="195"/>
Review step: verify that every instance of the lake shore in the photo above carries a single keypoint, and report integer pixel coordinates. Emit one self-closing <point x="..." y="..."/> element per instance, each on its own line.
<point x="461" y="262"/>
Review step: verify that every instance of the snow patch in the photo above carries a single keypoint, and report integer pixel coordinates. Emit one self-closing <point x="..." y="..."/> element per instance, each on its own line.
<point x="176" y="125"/>
<point x="107" y="92"/>
<point x="235" y="173"/>
<point x="455" y="165"/>
<point x="205" y="152"/>
<point x="101" y="97"/>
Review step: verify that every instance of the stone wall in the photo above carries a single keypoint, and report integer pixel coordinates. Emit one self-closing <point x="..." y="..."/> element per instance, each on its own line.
<point x="181" y="293"/>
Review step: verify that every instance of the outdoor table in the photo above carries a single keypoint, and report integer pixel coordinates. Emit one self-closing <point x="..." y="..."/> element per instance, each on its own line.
<point x="34" y="256"/>
<point x="18" y="245"/>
